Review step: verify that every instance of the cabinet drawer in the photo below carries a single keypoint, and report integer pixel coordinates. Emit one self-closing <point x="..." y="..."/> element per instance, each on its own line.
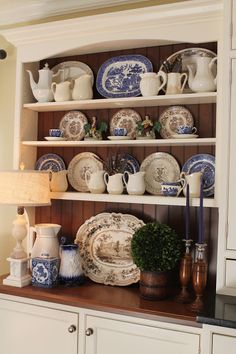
<point x="223" y="344"/>
<point x="112" y="336"/>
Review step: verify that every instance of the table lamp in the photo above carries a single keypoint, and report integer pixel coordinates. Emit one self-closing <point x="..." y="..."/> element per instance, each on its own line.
<point x="23" y="189"/>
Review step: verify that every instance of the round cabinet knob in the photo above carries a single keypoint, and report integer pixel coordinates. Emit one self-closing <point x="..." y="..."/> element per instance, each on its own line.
<point x="89" y="332"/>
<point x="72" y="329"/>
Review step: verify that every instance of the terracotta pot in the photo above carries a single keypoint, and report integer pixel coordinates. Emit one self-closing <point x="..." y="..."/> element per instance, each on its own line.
<point x="154" y="285"/>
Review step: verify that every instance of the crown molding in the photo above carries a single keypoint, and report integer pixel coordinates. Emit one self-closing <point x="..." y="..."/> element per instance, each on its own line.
<point x="15" y="11"/>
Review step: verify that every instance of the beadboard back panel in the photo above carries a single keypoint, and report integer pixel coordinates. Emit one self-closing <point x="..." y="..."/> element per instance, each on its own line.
<point x="72" y="214"/>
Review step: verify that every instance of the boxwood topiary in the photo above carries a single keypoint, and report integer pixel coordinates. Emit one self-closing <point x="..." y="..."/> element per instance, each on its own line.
<point x="155" y="247"/>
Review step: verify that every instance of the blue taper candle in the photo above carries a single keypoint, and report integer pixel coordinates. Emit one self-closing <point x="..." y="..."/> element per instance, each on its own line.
<point x="200" y="225"/>
<point x="187" y="214"/>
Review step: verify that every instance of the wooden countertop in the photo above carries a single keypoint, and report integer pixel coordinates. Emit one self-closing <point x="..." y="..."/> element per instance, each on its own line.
<point x="120" y="300"/>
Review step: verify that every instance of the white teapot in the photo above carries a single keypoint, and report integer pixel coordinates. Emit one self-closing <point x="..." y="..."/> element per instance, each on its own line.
<point x="135" y="183"/>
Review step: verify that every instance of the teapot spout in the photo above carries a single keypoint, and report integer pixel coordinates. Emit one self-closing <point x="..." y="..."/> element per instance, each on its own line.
<point x="33" y="84"/>
<point x="190" y="75"/>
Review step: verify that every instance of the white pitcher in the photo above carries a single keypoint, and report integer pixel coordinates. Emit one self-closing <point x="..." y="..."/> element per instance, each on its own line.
<point x="194" y="182"/>
<point x="203" y="80"/>
<point x="152" y="83"/>
<point x="82" y="89"/>
<point x="61" y="91"/>
<point x="135" y="183"/>
<point x="44" y="241"/>
<point x="58" y="181"/>
<point x="176" y="83"/>
<point x="95" y="181"/>
<point x="114" y="183"/>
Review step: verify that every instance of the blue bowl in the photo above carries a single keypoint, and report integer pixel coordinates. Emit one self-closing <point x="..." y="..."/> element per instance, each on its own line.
<point x="55" y="133"/>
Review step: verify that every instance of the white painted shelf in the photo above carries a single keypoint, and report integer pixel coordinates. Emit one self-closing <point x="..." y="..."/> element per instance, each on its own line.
<point x="162" y="100"/>
<point x="134" y="199"/>
<point x="102" y="143"/>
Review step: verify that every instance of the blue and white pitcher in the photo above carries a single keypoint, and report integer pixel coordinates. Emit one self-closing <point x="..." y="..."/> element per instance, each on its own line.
<point x="70" y="272"/>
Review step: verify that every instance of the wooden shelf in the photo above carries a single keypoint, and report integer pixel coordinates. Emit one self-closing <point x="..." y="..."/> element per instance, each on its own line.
<point x="102" y="143"/>
<point x="134" y="199"/>
<point x="162" y="100"/>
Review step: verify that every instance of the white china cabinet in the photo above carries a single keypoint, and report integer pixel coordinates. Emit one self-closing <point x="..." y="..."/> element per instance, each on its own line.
<point x="194" y="23"/>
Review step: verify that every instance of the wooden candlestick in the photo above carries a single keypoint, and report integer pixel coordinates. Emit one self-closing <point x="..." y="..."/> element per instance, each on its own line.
<point x="185" y="274"/>
<point x="199" y="277"/>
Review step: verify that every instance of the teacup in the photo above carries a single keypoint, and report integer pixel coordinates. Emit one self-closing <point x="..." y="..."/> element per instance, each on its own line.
<point x="120" y="131"/>
<point x="186" y="129"/>
<point x="171" y="189"/>
<point x="55" y="133"/>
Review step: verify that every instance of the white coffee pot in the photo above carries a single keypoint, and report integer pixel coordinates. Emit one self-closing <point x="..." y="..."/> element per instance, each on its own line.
<point x="95" y="181"/>
<point x="135" y="183"/>
<point x="203" y="80"/>
<point x="43" y="240"/>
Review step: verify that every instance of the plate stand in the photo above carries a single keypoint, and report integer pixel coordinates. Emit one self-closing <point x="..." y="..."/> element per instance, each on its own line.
<point x="19" y="273"/>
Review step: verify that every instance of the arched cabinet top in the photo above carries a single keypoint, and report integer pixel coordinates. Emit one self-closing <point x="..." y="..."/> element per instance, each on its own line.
<point x="195" y="21"/>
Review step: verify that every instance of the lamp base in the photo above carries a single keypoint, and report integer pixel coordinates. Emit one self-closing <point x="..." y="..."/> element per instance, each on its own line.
<point x="19" y="273"/>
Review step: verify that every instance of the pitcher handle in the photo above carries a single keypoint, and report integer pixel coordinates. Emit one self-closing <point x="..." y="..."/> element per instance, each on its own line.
<point x="125" y="177"/>
<point x="53" y="87"/>
<point x="210" y="66"/>
<point x="182" y="177"/>
<point x="106" y="178"/>
<point x="185" y="80"/>
<point x="183" y="184"/>
<point x="163" y="75"/>
<point x="87" y="176"/>
<point x="32" y="238"/>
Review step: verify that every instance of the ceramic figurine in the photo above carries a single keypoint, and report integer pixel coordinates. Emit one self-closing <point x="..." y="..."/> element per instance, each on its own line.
<point x="146" y="129"/>
<point x="94" y="130"/>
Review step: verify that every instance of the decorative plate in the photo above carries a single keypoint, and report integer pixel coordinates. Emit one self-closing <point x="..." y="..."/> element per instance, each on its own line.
<point x="206" y="164"/>
<point x="120" y="76"/>
<point x="79" y="165"/>
<point x="125" y="118"/>
<point x="172" y="117"/>
<point x="184" y="136"/>
<point x="52" y="162"/>
<point x="72" y="70"/>
<point x="129" y="163"/>
<point x="159" y="167"/>
<point x="72" y="125"/>
<point x="104" y="241"/>
<point x="188" y="57"/>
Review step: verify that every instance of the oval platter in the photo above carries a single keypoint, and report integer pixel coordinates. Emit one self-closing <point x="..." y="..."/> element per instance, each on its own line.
<point x="120" y="76"/>
<point x="105" y="248"/>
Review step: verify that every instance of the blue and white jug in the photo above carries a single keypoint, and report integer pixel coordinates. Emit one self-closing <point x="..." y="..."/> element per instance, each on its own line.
<point x="70" y="272"/>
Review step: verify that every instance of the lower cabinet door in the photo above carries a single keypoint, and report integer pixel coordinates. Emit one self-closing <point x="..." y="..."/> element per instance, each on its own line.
<point x="27" y="329"/>
<point x="105" y="336"/>
<point x="223" y="344"/>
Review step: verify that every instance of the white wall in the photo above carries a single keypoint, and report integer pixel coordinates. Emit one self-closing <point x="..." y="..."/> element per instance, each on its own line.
<point x="7" y="97"/>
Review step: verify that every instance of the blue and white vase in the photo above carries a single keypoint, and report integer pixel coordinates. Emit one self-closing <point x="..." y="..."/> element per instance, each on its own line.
<point x="70" y="272"/>
<point x="45" y="271"/>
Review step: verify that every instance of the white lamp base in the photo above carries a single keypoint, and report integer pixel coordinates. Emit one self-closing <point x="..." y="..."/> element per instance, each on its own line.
<point x="19" y="273"/>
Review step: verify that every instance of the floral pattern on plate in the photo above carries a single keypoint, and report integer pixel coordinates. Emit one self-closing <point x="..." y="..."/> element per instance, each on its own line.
<point x="125" y="118"/>
<point x="105" y="248"/>
<point x="120" y="76"/>
<point x="85" y="161"/>
<point x="206" y="164"/>
<point x="72" y="125"/>
<point x="172" y="117"/>
<point x="159" y="167"/>
<point x="51" y="162"/>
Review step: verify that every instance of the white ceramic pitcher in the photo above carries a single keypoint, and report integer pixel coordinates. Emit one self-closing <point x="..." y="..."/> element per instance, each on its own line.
<point x="95" y="181"/>
<point x="194" y="182"/>
<point x="135" y="183"/>
<point x="58" y="181"/>
<point x="44" y="241"/>
<point x="61" y="91"/>
<point x="114" y="183"/>
<point x="176" y="83"/>
<point x="152" y="83"/>
<point x="82" y="89"/>
<point x="203" y="80"/>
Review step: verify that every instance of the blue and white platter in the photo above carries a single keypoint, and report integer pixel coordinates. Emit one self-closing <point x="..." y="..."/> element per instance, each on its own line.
<point x="52" y="162"/>
<point x="204" y="163"/>
<point x="129" y="163"/>
<point x="120" y="76"/>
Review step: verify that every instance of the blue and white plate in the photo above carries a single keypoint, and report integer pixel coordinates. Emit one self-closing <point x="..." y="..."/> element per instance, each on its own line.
<point x="129" y="163"/>
<point x="52" y="162"/>
<point x="120" y="76"/>
<point x="206" y="164"/>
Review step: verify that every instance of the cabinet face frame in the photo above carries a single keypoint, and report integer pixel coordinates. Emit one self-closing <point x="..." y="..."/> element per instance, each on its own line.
<point x="233" y="23"/>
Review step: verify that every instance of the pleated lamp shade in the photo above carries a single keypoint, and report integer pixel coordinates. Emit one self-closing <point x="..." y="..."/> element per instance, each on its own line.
<point x="24" y="188"/>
